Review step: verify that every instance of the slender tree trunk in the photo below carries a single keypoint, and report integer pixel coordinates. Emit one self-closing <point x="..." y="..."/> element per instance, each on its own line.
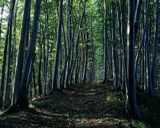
<point x="23" y="99"/>
<point x="155" y="52"/>
<point x="131" y="102"/>
<point x="39" y="69"/>
<point x="123" y="39"/>
<point x="115" y="78"/>
<point x="8" y="41"/>
<point x="77" y="42"/>
<point x="22" y="41"/>
<point x="86" y="57"/>
<point x="56" y="65"/>
<point x="105" y="42"/>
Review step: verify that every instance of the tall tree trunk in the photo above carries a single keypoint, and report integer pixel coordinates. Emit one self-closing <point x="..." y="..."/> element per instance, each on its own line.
<point x="155" y="52"/>
<point x="23" y="99"/>
<point x="105" y="42"/>
<point x="39" y="69"/>
<point x="69" y="41"/>
<point x="131" y="102"/>
<point x="77" y="42"/>
<point x="22" y="41"/>
<point x="115" y="76"/>
<point x="86" y="57"/>
<point x="58" y="45"/>
<point x="123" y="39"/>
<point x="7" y="44"/>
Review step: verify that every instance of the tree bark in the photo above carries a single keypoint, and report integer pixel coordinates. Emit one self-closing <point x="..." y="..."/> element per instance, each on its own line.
<point x="23" y="99"/>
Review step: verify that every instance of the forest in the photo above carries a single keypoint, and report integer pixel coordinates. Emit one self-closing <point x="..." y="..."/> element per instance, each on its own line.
<point x="79" y="64"/>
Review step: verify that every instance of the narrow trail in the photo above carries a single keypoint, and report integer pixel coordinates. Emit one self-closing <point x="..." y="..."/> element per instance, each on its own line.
<point x="85" y="106"/>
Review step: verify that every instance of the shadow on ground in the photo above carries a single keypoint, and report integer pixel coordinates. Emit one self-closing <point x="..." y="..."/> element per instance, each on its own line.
<point x="86" y="106"/>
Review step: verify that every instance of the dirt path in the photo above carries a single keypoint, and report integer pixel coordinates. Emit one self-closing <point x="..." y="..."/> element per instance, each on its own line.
<point x="86" y="106"/>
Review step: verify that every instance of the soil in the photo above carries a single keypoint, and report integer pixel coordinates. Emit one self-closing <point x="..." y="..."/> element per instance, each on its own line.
<point x="83" y="106"/>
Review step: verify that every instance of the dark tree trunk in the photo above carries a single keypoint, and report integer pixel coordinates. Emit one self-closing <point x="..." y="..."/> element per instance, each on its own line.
<point x="22" y="41"/>
<point x="155" y="52"/>
<point x="39" y="69"/>
<point x="23" y="99"/>
<point x="105" y="42"/>
<point x="8" y="41"/>
<point x="131" y="102"/>
<point x="58" y="45"/>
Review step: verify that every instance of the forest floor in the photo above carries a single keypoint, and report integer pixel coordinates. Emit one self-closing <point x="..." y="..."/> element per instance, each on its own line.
<point x="84" y="106"/>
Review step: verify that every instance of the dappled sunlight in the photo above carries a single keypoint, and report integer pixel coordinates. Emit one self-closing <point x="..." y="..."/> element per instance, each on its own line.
<point x="87" y="106"/>
<point x="99" y="122"/>
<point x="79" y="64"/>
<point x="90" y="106"/>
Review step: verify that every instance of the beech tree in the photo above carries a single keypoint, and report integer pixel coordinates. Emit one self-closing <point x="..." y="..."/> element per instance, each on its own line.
<point x="56" y="65"/>
<point x="8" y="41"/>
<point x="131" y="90"/>
<point x="68" y="42"/>
<point x="22" y="42"/>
